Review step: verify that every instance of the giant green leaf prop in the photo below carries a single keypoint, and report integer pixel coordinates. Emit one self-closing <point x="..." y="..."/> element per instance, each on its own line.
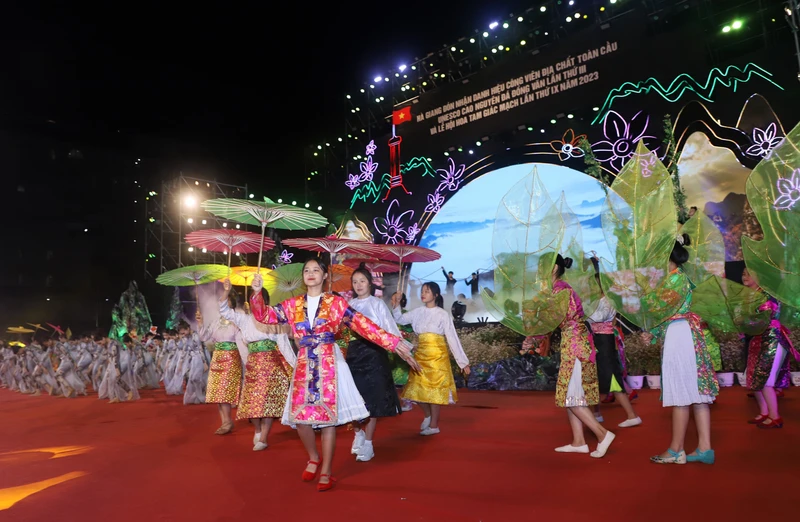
<point x="581" y="276"/>
<point x="640" y="225"/>
<point x="706" y="251"/>
<point x="528" y="231"/>
<point x="773" y="191"/>
<point x="730" y="307"/>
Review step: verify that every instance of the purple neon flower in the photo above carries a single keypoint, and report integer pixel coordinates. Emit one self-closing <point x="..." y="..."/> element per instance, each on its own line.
<point x="371" y="148"/>
<point x="647" y="162"/>
<point x="435" y="202"/>
<point x="451" y="176"/>
<point x="368" y="169"/>
<point x="286" y="257"/>
<point x="353" y="181"/>
<point x="393" y="229"/>
<point x="789" y="189"/>
<point x="764" y="141"/>
<point x="411" y="233"/>
<point x="621" y="138"/>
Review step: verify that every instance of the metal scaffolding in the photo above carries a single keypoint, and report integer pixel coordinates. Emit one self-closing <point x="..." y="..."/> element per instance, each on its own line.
<point x="176" y="211"/>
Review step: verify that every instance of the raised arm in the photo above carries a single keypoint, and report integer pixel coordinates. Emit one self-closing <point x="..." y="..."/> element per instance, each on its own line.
<point x="262" y="312"/>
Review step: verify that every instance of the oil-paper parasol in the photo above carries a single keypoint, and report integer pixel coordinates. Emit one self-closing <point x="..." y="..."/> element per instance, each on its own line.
<point x="56" y="329"/>
<point x="243" y="276"/>
<point x="285" y="282"/>
<point x="193" y="275"/>
<point x="265" y="214"/>
<point x="19" y="330"/>
<point x="334" y="245"/>
<point x="229" y="241"/>
<point x="373" y="265"/>
<point x="339" y="276"/>
<point x="402" y="253"/>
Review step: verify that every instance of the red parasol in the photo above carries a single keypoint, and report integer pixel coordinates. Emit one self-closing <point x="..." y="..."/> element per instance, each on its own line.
<point x="402" y="253"/>
<point x="56" y="329"/>
<point x="373" y="265"/>
<point x="228" y="241"/>
<point x="334" y="245"/>
<point x="340" y="278"/>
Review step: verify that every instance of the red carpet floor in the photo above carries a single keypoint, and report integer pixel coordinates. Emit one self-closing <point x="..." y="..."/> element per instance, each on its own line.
<point x="157" y="460"/>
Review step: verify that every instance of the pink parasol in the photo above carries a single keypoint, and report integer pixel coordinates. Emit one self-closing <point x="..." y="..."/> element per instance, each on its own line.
<point x="402" y="253"/>
<point x="229" y="241"/>
<point x="373" y="265"/>
<point x="334" y="245"/>
<point x="56" y="329"/>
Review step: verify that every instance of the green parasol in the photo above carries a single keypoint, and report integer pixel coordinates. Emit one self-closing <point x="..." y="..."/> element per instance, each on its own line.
<point x="193" y="275"/>
<point x="266" y="214"/>
<point x="285" y="282"/>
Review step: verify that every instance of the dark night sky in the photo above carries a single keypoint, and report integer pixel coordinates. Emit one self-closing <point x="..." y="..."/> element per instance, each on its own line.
<point x="249" y="84"/>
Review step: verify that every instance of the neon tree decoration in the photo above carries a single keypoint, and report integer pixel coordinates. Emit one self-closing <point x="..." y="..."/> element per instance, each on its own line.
<point x="567" y="147"/>
<point x="451" y="176"/>
<point x="789" y="189"/>
<point x="393" y="229"/>
<point x="731" y="77"/>
<point x="286" y="257"/>
<point x="435" y="202"/>
<point x="395" y="176"/>
<point x="764" y="141"/>
<point x="621" y="138"/>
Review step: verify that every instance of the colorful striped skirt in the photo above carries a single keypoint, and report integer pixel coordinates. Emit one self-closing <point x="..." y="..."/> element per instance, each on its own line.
<point x="225" y="375"/>
<point x="266" y="382"/>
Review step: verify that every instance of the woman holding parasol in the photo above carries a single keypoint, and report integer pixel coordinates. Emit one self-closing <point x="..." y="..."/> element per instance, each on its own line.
<point x="323" y="394"/>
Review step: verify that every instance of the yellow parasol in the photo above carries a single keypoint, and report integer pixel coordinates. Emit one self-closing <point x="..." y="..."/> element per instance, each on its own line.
<point x="243" y="276"/>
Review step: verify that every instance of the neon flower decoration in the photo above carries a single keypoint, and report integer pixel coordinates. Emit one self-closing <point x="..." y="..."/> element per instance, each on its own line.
<point x="621" y="138"/>
<point x="435" y="202"/>
<point x="646" y="162"/>
<point x="789" y="189"/>
<point x="451" y="177"/>
<point x="353" y="181"/>
<point x="368" y="169"/>
<point x="393" y="229"/>
<point x="371" y="147"/>
<point x="764" y="141"/>
<point x="567" y="147"/>
<point x="412" y="232"/>
<point x="286" y="257"/>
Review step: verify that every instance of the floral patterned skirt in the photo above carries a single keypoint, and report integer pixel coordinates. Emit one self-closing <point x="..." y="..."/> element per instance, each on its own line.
<point x="225" y="375"/>
<point x="266" y="386"/>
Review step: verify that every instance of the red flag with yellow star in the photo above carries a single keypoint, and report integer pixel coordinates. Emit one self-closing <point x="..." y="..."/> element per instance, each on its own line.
<point x="401" y="116"/>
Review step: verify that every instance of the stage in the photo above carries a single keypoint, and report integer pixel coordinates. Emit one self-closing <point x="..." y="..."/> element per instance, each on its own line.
<point x="158" y="460"/>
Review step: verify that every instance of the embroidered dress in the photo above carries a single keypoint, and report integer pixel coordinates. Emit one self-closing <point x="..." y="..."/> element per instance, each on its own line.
<point x="767" y="361"/>
<point x="577" y="373"/>
<point x="687" y="370"/>
<point x="266" y="378"/>
<point x="225" y="373"/>
<point x="434" y="383"/>
<point x="322" y="392"/>
<point x="609" y="364"/>
<point x="369" y="363"/>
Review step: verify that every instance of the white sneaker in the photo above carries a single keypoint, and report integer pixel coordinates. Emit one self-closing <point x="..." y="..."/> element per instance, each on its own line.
<point x="256" y="437"/>
<point x="630" y="423"/>
<point x="260" y="446"/>
<point x="425" y="424"/>
<point x="429" y="431"/>
<point x="366" y="452"/>
<point x="600" y="452"/>
<point x="569" y="448"/>
<point x="358" y="441"/>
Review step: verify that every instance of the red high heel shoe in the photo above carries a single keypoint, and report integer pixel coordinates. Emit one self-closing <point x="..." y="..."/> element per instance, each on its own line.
<point x="758" y="420"/>
<point x="328" y="485"/>
<point x="770" y="424"/>
<point x="307" y="475"/>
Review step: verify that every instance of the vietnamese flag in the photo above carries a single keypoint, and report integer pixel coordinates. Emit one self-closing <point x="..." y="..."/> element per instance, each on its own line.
<point x="401" y="116"/>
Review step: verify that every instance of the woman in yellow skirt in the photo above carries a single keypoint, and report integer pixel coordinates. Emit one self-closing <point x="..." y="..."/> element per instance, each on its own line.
<point x="270" y="360"/>
<point x="433" y="386"/>
<point x="225" y="374"/>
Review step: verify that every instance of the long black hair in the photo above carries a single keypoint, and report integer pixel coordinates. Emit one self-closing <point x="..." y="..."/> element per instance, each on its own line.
<point x="562" y="263"/>
<point x="362" y="269"/>
<point x="679" y="253"/>
<point x="436" y="291"/>
<point x="319" y="261"/>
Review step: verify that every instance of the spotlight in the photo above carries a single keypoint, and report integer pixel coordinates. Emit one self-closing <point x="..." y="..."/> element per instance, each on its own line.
<point x="189" y="201"/>
<point x="204" y="250"/>
<point x="472" y="40"/>
<point x="224" y="225"/>
<point x="237" y="226"/>
<point x="519" y="19"/>
<point x="190" y="220"/>
<point x="453" y="49"/>
<point x="505" y="25"/>
<point x="402" y="68"/>
<point x="613" y="1"/>
<point x="595" y="109"/>
<point x="492" y="25"/>
<point x="485" y="34"/>
<point x="252" y="196"/>
<point x="294" y="202"/>
<point x="787" y="10"/>
<point x="386" y="79"/>
<point x="543" y="9"/>
<point x="522" y="42"/>
<point x="569" y="19"/>
<point x="376" y="79"/>
<point x="737" y="24"/>
<point x="570" y="116"/>
<point x="726" y="29"/>
<point x="191" y="249"/>
<point x="307" y="205"/>
<point x="553" y="121"/>
<point x="470" y="151"/>
<point x="571" y="2"/>
<point x="319" y="207"/>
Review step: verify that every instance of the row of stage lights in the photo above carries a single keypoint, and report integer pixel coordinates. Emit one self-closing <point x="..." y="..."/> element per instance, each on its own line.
<point x="191" y="202"/>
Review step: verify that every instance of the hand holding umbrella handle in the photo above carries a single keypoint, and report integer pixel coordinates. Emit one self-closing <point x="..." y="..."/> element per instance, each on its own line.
<point x="258" y="283"/>
<point x="396" y="299"/>
<point x="226" y="285"/>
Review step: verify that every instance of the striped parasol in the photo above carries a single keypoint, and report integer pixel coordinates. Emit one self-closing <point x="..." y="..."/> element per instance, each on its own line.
<point x="402" y="253"/>
<point x="228" y="241"/>
<point x="265" y="214"/>
<point x="285" y="282"/>
<point x="243" y="276"/>
<point x="334" y="245"/>
<point x="193" y="275"/>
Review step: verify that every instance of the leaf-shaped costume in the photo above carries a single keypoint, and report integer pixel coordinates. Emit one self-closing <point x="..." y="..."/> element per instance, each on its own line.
<point x="640" y="224"/>
<point x="730" y="307"/>
<point x="706" y="251"/>
<point x="581" y="276"/>
<point x="528" y="230"/>
<point x="773" y="191"/>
